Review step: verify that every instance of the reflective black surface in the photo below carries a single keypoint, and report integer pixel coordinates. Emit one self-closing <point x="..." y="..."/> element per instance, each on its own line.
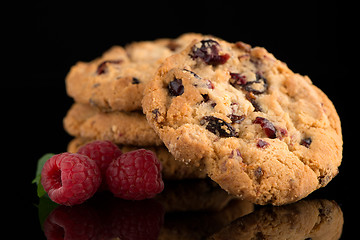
<point x="191" y="209"/>
<point x="49" y="37"/>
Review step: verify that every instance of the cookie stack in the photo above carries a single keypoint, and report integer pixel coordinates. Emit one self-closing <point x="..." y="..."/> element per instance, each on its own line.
<point x="108" y="93"/>
<point x="227" y="110"/>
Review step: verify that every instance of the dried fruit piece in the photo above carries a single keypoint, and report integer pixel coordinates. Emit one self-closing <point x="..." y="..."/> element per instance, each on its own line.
<point x="218" y="126"/>
<point x="262" y="144"/>
<point x="237" y="79"/>
<point x="135" y="80"/>
<point x="306" y="142"/>
<point x="236" y="118"/>
<point x="252" y="99"/>
<point x="258" y="86"/>
<point x="209" y="53"/>
<point x="102" y="66"/>
<point x="267" y="126"/>
<point x="176" y="88"/>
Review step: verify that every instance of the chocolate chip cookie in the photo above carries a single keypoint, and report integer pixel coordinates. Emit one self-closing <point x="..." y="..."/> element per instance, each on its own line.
<point x="259" y="130"/>
<point x="116" y="80"/>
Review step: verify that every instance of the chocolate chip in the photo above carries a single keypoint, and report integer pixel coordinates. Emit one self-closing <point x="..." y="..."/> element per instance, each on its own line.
<point x="218" y="126"/>
<point x="135" y="81"/>
<point x="209" y="53"/>
<point x="102" y="68"/>
<point x="267" y="126"/>
<point x="176" y="88"/>
<point x="306" y="142"/>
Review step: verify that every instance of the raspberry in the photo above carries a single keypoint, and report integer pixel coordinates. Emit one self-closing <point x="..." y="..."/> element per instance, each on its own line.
<point x="103" y="153"/>
<point x="135" y="175"/>
<point x="70" y="178"/>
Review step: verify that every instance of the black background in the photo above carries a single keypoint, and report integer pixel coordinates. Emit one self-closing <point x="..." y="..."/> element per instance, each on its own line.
<point x="311" y="37"/>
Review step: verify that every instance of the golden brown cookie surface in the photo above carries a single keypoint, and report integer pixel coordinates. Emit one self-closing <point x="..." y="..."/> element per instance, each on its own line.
<point x="261" y="131"/>
<point x="116" y="80"/>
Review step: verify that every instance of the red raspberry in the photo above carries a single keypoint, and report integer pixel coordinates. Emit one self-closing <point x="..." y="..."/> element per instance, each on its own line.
<point x="103" y="153"/>
<point x="70" y="178"/>
<point x="135" y="175"/>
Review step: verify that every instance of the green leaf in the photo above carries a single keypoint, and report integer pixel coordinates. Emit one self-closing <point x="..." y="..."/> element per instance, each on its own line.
<point x="41" y="163"/>
<point x="40" y="189"/>
<point x="45" y="207"/>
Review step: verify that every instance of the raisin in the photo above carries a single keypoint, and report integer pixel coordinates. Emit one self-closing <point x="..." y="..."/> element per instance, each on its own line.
<point x="176" y="88"/>
<point x="267" y="126"/>
<point x="102" y="66"/>
<point x="218" y="126"/>
<point x="209" y="53"/>
<point x="306" y="142"/>
<point x="258" y="86"/>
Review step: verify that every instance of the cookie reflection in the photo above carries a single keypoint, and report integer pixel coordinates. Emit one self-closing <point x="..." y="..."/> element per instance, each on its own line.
<point x="307" y="219"/>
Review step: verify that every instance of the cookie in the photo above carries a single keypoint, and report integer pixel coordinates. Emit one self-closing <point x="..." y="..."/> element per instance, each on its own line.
<point x="116" y="80"/>
<point x="128" y="128"/>
<point x="311" y="219"/>
<point x="172" y="169"/>
<point x="259" y="130"/>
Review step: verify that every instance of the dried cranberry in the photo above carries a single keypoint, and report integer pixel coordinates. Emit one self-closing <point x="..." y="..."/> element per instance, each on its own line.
<point x="176" y="88"/>
<point x="218" y="126"/>
<point x="209" y="53"/>
<point x="267" y="126"/>
<point x="306" y="142"/>
<point x="262" y="144"/>
<point x="102" y="66"/>
<point x="258" y="86"/>
<point x="236" y="118"/>
<point x="237" y="79"/>
<point x="252" y="99"/>
<point x="209" y="84"/>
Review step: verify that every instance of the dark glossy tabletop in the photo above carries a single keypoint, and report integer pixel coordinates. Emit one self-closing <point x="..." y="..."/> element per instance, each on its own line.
<point x="190" y="209"/>
<point x="50" y="37"/>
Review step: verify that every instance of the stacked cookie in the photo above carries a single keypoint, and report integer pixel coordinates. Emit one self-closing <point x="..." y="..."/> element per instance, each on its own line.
<point x="108" y="93"/>
<point x="227" y="110"/>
